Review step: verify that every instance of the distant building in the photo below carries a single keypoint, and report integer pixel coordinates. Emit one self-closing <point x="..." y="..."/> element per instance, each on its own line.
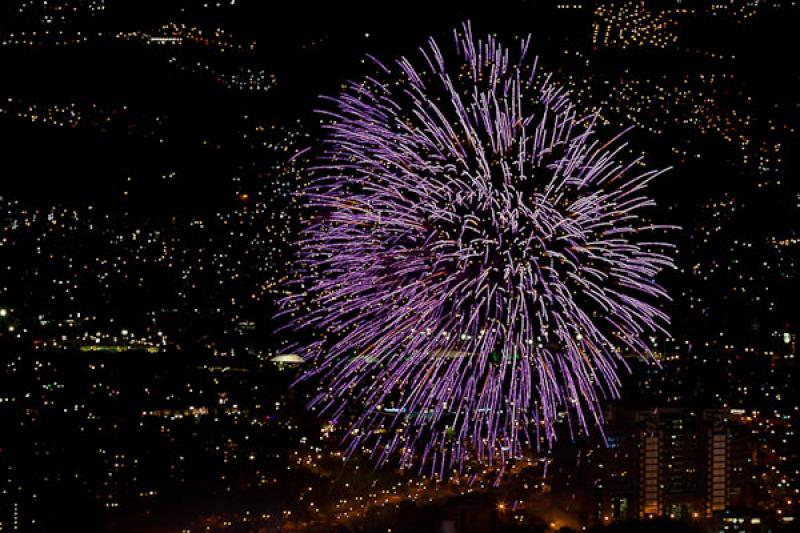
<point x="673" y="463"/>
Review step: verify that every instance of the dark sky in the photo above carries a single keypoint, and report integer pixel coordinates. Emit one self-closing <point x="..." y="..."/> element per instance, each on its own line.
<point x="311" y="48"/>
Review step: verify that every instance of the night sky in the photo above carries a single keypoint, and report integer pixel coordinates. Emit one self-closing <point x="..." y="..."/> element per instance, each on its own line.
<point x="148" y="222"/>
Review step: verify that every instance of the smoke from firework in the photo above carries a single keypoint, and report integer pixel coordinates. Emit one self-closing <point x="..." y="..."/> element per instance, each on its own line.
<point x="475" y="264"/>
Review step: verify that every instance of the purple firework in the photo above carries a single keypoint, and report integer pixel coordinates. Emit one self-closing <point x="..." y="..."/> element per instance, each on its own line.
<point x="475" y="267"/>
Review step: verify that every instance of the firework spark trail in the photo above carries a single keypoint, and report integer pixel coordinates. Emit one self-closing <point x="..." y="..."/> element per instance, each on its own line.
<point x="474" y="267"/>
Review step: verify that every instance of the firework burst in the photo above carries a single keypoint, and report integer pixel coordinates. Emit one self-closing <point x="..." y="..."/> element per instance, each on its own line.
<point x="474" y="268"/>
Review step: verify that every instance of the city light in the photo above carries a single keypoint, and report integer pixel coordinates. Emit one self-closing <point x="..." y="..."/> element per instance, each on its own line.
<point x="159" y="167"/>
